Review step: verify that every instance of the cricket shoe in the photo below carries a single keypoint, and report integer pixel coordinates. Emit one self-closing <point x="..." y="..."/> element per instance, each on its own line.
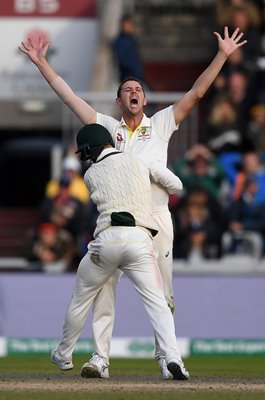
<point x="96" y="367"/>
<point x="178" y="370"/>
<point x="163" y="367"/>
<point x="63" y="365"/>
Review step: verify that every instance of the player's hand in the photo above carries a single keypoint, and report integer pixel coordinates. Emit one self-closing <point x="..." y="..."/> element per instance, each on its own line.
<point x="36" y="51"/>
<point x="229" y="44"/>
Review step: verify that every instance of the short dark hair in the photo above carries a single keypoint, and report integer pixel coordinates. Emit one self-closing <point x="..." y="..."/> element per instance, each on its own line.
<point x="126" y="17"/>
<point x="129" y="78"/>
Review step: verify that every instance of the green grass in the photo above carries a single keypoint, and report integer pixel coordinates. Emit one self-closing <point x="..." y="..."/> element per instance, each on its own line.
<point x="205" y="369"/>
<point x="240" y="366"/>
<point x="229" y="366"/>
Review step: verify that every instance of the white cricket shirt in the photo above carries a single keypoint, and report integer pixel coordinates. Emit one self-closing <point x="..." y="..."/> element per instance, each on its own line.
<point x="149" y="141"/>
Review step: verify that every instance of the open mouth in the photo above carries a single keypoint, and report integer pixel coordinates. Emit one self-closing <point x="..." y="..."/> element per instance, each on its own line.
<point x="134" y="102"/>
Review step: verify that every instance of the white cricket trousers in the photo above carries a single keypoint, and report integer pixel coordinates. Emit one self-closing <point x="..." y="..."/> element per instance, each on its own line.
<point x="131" y="249"/>
<point x="104" y="303"/>
<point x="163" y="242"/>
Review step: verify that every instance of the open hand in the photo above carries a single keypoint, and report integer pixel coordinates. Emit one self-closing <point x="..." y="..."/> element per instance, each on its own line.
<point x="229" y="44"/>
<point x="35" y="50"/>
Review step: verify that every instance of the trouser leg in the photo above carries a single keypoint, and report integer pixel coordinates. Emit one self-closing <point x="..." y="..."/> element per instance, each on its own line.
<point x="103" y="315"/>
<point x="163" y="242"/>
<point x="161" y="319"/>
<point x="147" y="280"/>
<point x="89" y="280"/>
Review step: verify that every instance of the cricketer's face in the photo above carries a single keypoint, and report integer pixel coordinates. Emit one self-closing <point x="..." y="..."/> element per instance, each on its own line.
<point x="132" y="99"/>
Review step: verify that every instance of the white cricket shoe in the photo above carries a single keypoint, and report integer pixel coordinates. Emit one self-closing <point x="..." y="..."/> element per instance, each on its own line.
<point x="96" y="367"/>
<point x="178" y="370"/>
<point x="64" y="366"/>
<point x="163" y="367"/>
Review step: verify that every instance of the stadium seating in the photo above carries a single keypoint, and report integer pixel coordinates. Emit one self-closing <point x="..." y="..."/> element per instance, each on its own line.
<point x="14" y="223"/>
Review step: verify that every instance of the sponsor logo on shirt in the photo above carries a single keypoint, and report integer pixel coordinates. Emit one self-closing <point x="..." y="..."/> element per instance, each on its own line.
<point x="120" y="142"/>
<point x="119" y="137"/>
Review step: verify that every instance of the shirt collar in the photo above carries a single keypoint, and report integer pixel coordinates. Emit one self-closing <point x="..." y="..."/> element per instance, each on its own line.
<point x="105" y="152"/>
<point x="145" y="122"/>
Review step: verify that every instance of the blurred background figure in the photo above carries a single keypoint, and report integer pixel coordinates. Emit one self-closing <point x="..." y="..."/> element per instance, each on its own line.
<point x="235" y="95"/>
<point x="199" y="224"/>
<point x="199" y="167"/>
<point x="224" y="134"/>
<point x="246" y="15"/>
<point x="71" y="168"/>
<point x="238" y="89"/>
<point x="242" y="78"/>
<point x="256" y="130"/>
<point x="250" y="167"/>
<point x="51" y="248"/>
<point x="67" y="204"/>
<point x="66" y="212"/>
<point x="246" y="222"/>
<point x="126" y="51"/>
<point x="224" y="128"/>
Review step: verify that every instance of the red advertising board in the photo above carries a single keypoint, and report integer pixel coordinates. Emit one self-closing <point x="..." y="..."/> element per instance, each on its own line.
<point x="48" y="8"/>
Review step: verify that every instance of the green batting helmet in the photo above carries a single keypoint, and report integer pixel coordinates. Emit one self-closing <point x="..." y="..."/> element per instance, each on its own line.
<point x="92" y="135"/>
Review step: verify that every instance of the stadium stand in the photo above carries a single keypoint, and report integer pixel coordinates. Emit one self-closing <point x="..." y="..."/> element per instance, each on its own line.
<point x="15" y="222"/>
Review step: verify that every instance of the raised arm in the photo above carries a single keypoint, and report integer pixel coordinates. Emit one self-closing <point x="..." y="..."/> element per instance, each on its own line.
<point x="162" y="175"/>
<point x="227" y="46"/>
<point x="36" y="52"/>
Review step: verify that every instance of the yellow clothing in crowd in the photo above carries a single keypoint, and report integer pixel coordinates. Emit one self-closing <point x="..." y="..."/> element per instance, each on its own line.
<point x="77" y="189"/>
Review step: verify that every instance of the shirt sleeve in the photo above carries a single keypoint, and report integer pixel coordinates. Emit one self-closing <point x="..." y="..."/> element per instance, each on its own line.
<point x="164" y="122"/>
<point x="162" y="175"/>
<point x="79" y="107"/>
<point x="108" y="122"/>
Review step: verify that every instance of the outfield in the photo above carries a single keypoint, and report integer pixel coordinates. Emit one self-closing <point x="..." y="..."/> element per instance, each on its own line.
<point x="35" y="377"/>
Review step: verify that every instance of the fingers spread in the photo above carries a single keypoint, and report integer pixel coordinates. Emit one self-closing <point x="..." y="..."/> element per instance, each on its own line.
<point x="218" y="35"/>
<point x="235" y="33"/>
<point x="24" y="47"/>
<point x="239" y="37"/>
<point x="31" y="42"/>
<point x="241" y="44"/>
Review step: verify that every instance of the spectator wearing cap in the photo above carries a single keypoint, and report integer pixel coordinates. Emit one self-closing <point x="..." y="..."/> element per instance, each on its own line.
<point x="199" y="167"/>
<point x="71" y="168"/>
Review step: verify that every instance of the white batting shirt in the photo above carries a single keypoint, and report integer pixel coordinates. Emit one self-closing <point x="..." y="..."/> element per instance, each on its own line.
<point x="149" y="141"/>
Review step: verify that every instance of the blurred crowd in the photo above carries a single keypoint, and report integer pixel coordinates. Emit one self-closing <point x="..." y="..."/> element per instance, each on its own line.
<point x="67" y="221"/>
<point x="222" y="210"/>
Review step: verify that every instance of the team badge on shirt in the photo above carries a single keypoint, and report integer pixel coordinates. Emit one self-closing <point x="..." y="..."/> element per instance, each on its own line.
<point x="144" y="134"/>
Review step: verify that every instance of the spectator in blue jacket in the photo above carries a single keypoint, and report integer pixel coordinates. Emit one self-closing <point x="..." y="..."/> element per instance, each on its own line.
<point x="126" y="51"/>
<point x="246" y="223"/>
